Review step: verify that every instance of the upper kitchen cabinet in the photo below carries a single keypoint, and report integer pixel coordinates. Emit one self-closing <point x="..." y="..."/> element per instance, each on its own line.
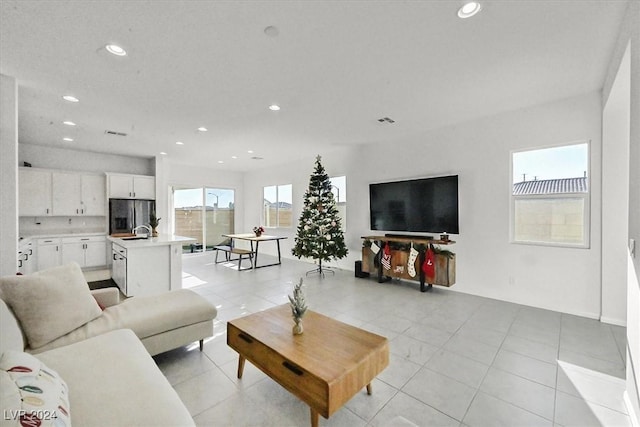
<point x="78" y="194"/>
<point x="66" y="193"/>
<point x="93" y="189"/>
<point x="61" y="193"/>
<point x="132" y="187"/>
<point x="34" y="191"/>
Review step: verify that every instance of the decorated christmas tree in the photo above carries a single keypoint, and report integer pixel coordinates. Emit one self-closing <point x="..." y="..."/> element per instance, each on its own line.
<point x="319" y="233"/>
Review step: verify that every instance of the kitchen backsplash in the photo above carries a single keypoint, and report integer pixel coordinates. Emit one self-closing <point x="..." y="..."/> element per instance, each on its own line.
<point x="32" y="226"/>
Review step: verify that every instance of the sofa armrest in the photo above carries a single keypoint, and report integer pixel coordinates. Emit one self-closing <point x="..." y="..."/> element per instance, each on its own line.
<point x="106" y="297"/>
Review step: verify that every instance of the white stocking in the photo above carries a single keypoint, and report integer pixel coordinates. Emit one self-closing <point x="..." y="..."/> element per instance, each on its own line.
<point x="411" y="265"/>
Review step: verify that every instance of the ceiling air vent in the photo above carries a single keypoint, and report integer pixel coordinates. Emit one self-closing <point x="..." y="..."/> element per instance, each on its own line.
<point x="257" y="158"/>
<point x="386" y="120"/>
<point x="114" y="133"/>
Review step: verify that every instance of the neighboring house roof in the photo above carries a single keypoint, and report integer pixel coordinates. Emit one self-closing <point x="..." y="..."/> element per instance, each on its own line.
<point x="551" y="186"/>
<point x="207" y="208"/>
<point x="279" y="205"/>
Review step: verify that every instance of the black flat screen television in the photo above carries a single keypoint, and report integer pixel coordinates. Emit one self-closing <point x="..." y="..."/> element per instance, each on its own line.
<point x="428" y="205"/>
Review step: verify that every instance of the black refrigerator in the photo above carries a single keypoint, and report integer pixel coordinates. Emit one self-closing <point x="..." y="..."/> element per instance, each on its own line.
<point x="126" y="214"/>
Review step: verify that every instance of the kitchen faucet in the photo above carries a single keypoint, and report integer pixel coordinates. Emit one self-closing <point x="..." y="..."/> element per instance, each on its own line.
<point x="146" y="227"/>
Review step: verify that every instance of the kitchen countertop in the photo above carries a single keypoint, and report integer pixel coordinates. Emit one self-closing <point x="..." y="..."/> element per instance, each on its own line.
<point x="162" y="239"/>
<point x="63" y="234"/>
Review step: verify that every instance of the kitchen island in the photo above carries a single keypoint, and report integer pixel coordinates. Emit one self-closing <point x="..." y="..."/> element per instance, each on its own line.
<point x="147" y="266"/>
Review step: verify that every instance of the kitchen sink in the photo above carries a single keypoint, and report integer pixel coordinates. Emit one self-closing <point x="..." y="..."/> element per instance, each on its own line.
<point x="134" y="238"/>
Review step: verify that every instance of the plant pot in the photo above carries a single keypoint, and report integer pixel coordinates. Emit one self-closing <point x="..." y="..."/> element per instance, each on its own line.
<point x="154" y="232"/>
<point x="258" y="234"/>
<point x="297" y="328"/>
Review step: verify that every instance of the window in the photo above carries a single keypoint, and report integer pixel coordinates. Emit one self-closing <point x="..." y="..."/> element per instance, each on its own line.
<point x="550" y="196"/>
<point x="277" y="206"/>
<point x="339" y="190"/>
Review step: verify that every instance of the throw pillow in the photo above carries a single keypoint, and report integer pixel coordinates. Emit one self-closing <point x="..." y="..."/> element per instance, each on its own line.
<point x="32" y="394"/>
<point x="50" y="303"/>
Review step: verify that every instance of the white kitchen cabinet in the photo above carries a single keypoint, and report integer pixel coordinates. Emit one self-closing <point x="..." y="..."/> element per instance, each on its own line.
<point x="49" y="253"/>
<point x="34" y="192"/>
<point x="60" y="193"/>
<point x="66" y="193"/>
<point x="95" y="254"/>
<point x="143" y="269"/>
<point x="93" y="191"/>
<point x="78" y="194"/>
<point x="119" y="266"/>
<point x="87" y="251"/>
<point x="132" y="187"/>
<point x="26" y="257"/>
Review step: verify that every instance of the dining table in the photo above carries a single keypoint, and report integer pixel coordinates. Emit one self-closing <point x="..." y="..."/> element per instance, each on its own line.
<point x="253" y="238"/>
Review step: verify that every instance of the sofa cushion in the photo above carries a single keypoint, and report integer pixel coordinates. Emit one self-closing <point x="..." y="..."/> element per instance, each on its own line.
<point x="11" y="337"/>
<point x="32" y="393"/>
<point x="50" y="303"/>
<point x="114" y="382"/>
<point x="145" y="315"/>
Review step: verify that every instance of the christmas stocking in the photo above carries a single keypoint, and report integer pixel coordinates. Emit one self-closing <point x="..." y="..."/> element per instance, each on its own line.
<point x="428" y="266"/>
<point x="411" y="265"/>
<point x="386" y="257"/>
<point x="375" y="248"/>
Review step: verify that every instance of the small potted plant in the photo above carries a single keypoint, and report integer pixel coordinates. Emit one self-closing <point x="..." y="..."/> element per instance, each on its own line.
<point x="153" y="222"/>
<point x="298" y="307"/>
<point x="258" y="230"/>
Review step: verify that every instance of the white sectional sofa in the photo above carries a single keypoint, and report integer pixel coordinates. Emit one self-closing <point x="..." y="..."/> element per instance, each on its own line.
<point x="67" y="360"/>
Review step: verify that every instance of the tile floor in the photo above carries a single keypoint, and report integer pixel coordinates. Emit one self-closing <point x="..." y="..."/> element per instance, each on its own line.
<point x="456" y="359"/>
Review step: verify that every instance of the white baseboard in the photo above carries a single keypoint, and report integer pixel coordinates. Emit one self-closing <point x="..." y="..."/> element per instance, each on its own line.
<point x="635" y="421"/>
<point x="612" y="321"/>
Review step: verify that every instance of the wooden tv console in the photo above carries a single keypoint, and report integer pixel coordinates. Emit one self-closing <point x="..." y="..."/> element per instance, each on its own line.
<point x="400" y="247"/>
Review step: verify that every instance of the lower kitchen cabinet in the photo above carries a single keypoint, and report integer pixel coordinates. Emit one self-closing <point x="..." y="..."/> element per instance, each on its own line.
<point x="26" y="257"/>
<point x="87" y="251"/>
<point x="49" y="253"/>
<point x="144" y="270"/>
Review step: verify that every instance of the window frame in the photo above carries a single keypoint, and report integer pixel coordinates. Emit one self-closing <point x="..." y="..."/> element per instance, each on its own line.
<point x="172" y="188"/>
<point x="339" y="204"/>
<point x="263" y="219"/>
<point x="586" y="197"/>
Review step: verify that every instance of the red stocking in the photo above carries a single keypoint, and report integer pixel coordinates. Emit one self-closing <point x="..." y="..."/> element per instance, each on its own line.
<point x="429" y="266"/>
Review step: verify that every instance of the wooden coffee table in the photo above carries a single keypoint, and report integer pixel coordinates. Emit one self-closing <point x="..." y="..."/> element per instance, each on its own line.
<point x="324" y="367"/>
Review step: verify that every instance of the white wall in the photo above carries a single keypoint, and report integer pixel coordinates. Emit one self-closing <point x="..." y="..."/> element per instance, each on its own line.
<point x="193" y="177"/>
<point x="563" y="279"/>
<point x="8" y="175"/>
<point x="74" y="160"/>
<point x="630" y="36"/>
<point x="615" y="196"/>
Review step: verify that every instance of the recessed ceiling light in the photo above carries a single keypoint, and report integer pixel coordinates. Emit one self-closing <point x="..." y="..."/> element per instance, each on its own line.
<point x="115" y="49"/>
<point x="271" y="31"/>
<point x="202" y="129"/>
<point x="70" y="98"/>
<point x="234" y="157"/>
<point x="274" y="107"/>
<point x="179" y="143"/>
<point x="469" y="9"/>
<point x="249" y="151"/>
<point x="220" y="161"/>
<point x="68" y="123"/>
<point x="68" y="139"/>
<point x="163" y="153"/>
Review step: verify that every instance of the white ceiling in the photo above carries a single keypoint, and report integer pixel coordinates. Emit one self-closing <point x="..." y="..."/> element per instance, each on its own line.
<point x="335" y="68"/>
